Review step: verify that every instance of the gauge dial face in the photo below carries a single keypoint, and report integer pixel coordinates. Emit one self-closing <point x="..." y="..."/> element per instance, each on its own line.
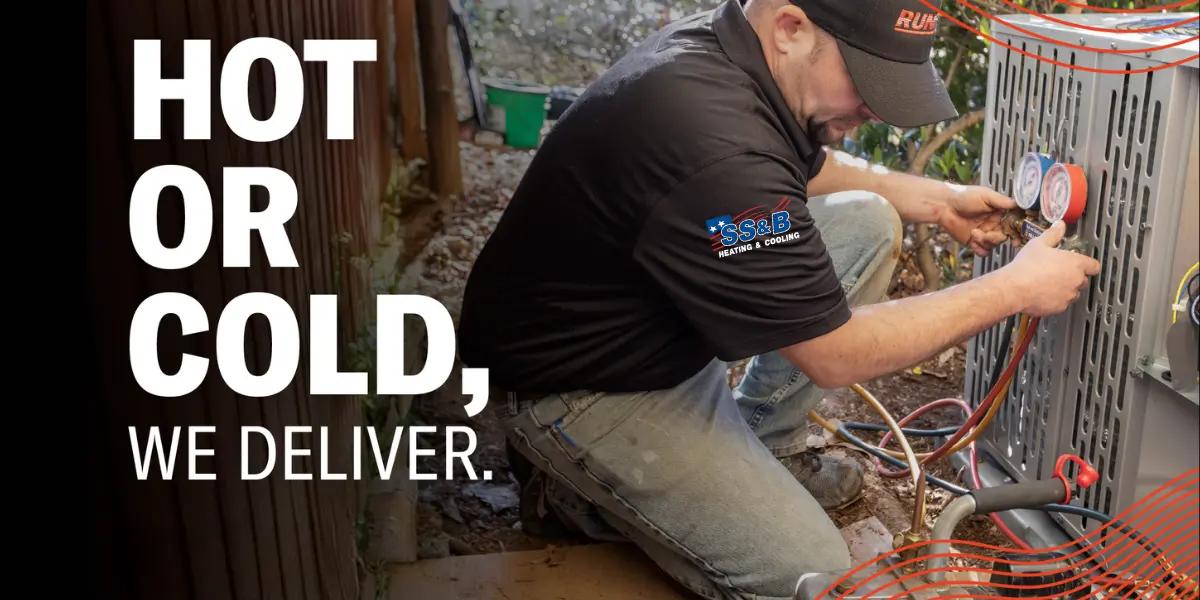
<point x="1028" y="183"/>
<point x="1056" y="193"/>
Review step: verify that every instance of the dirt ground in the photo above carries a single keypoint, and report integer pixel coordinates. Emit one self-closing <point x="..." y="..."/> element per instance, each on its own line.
<point x="482" y="517"/>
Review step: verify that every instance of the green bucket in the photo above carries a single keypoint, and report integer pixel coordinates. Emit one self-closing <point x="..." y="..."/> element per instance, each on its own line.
<point x="518" y="109"/>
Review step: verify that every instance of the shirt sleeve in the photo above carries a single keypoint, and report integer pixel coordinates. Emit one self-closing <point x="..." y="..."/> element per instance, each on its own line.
<point x="737" y="252"/>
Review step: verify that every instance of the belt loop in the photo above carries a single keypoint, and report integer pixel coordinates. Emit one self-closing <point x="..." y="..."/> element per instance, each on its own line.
<point x="549" y="408"/>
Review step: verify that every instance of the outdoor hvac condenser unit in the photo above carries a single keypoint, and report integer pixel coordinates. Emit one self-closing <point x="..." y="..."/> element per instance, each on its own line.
<point x="1112" y="379"/>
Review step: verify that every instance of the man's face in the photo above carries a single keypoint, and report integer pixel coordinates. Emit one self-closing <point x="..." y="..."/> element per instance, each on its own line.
<point x="833" y="107"/>
<point x="808" y="67"/>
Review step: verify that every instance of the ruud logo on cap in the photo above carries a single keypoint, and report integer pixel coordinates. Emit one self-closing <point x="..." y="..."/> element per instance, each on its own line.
<point x="916" y="23"/>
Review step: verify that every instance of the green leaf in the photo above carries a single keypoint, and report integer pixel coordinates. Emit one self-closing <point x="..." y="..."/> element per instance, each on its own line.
<point x="964" y="173"/>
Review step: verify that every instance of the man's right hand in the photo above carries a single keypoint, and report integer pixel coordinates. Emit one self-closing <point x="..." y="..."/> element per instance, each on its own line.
<point x="1045" y="280"/>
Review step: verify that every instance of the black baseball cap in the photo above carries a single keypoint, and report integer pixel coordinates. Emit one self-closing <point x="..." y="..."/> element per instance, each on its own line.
<point x="886" y="45"/>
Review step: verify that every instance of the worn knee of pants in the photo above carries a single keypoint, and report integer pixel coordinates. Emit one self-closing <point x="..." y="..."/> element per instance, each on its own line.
<point x="680" y="474"/>
<point x="863" y="234"/>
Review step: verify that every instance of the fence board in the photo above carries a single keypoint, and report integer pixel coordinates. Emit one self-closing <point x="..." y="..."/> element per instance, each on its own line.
<point x="155" y="507"/>
<point x="108" y="118"/>
<point x="199" y="504"/>
<point x="414" y="143"/>
<point x="433" y="21"/>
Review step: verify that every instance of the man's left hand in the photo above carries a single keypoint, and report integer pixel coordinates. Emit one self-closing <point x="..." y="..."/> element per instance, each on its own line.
<point x="972" y="216"/>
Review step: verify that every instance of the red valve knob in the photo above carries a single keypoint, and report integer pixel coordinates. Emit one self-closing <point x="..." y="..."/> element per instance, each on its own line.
<point x="1087" y="475"/>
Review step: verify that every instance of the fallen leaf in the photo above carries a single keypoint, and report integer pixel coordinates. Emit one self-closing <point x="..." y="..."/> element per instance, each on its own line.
<point x="945" y="356"/>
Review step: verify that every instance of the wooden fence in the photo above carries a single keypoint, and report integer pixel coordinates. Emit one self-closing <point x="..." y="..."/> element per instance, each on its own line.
<point x="231" y="538"/>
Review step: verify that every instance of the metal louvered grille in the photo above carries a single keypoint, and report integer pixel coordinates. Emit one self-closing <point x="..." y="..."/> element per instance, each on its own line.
<point x="1079" y="389"/>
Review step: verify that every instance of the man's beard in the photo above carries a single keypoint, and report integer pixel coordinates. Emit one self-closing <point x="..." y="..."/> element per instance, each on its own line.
<point x="832" y="131"/>
<point x="821" y="133"/>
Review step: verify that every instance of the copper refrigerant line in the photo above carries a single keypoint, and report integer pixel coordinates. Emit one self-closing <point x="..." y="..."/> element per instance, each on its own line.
<point x="962" y="437"/>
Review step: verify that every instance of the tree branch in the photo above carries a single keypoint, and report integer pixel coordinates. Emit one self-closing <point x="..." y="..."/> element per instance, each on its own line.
<point x="952" y="70"/>
<point x="928" y="149"/>
<point x="925" y="259"/>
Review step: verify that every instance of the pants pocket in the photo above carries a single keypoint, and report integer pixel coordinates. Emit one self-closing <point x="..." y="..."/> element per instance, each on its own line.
<point x="589" y="418"/>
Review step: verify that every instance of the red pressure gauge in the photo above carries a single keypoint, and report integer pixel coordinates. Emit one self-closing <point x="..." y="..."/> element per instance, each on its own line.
<point x="1064" y="193"/>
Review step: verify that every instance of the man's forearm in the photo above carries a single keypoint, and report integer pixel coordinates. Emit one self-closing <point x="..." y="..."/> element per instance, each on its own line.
<point x="882" y="338"/>
<point x="916" y="199"/>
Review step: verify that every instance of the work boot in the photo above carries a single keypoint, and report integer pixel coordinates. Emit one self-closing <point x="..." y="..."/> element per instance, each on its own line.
<point x="537" y="518"/>
<point x="834" y="482"/>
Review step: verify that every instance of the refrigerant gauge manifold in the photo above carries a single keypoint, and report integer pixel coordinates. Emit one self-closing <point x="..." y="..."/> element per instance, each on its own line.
<point x="1046" y="191"/>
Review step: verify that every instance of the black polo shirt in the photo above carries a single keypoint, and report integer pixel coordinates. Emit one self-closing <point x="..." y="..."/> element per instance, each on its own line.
<point x="662" y="223"/>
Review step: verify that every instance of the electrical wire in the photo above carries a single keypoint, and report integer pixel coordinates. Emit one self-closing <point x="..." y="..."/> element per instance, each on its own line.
<point x="1183" y="281"/>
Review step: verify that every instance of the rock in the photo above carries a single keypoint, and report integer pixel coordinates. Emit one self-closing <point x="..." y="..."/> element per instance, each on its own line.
<point x="450" y="510"/>
<point x="428" y="495"/>
<point x="489" y="139"/>
<point x="460" y="547"/>
<point x="434" y="546"/>
<point x="452" y="528"/>
<point x="458" y="247"/>
<point x="429" y="516"/>
<point x="866" y="539"/>
<point x="498" y="497"/>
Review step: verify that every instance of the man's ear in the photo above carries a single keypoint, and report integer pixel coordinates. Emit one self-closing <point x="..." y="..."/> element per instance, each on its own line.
<point x="792" y="30"/>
